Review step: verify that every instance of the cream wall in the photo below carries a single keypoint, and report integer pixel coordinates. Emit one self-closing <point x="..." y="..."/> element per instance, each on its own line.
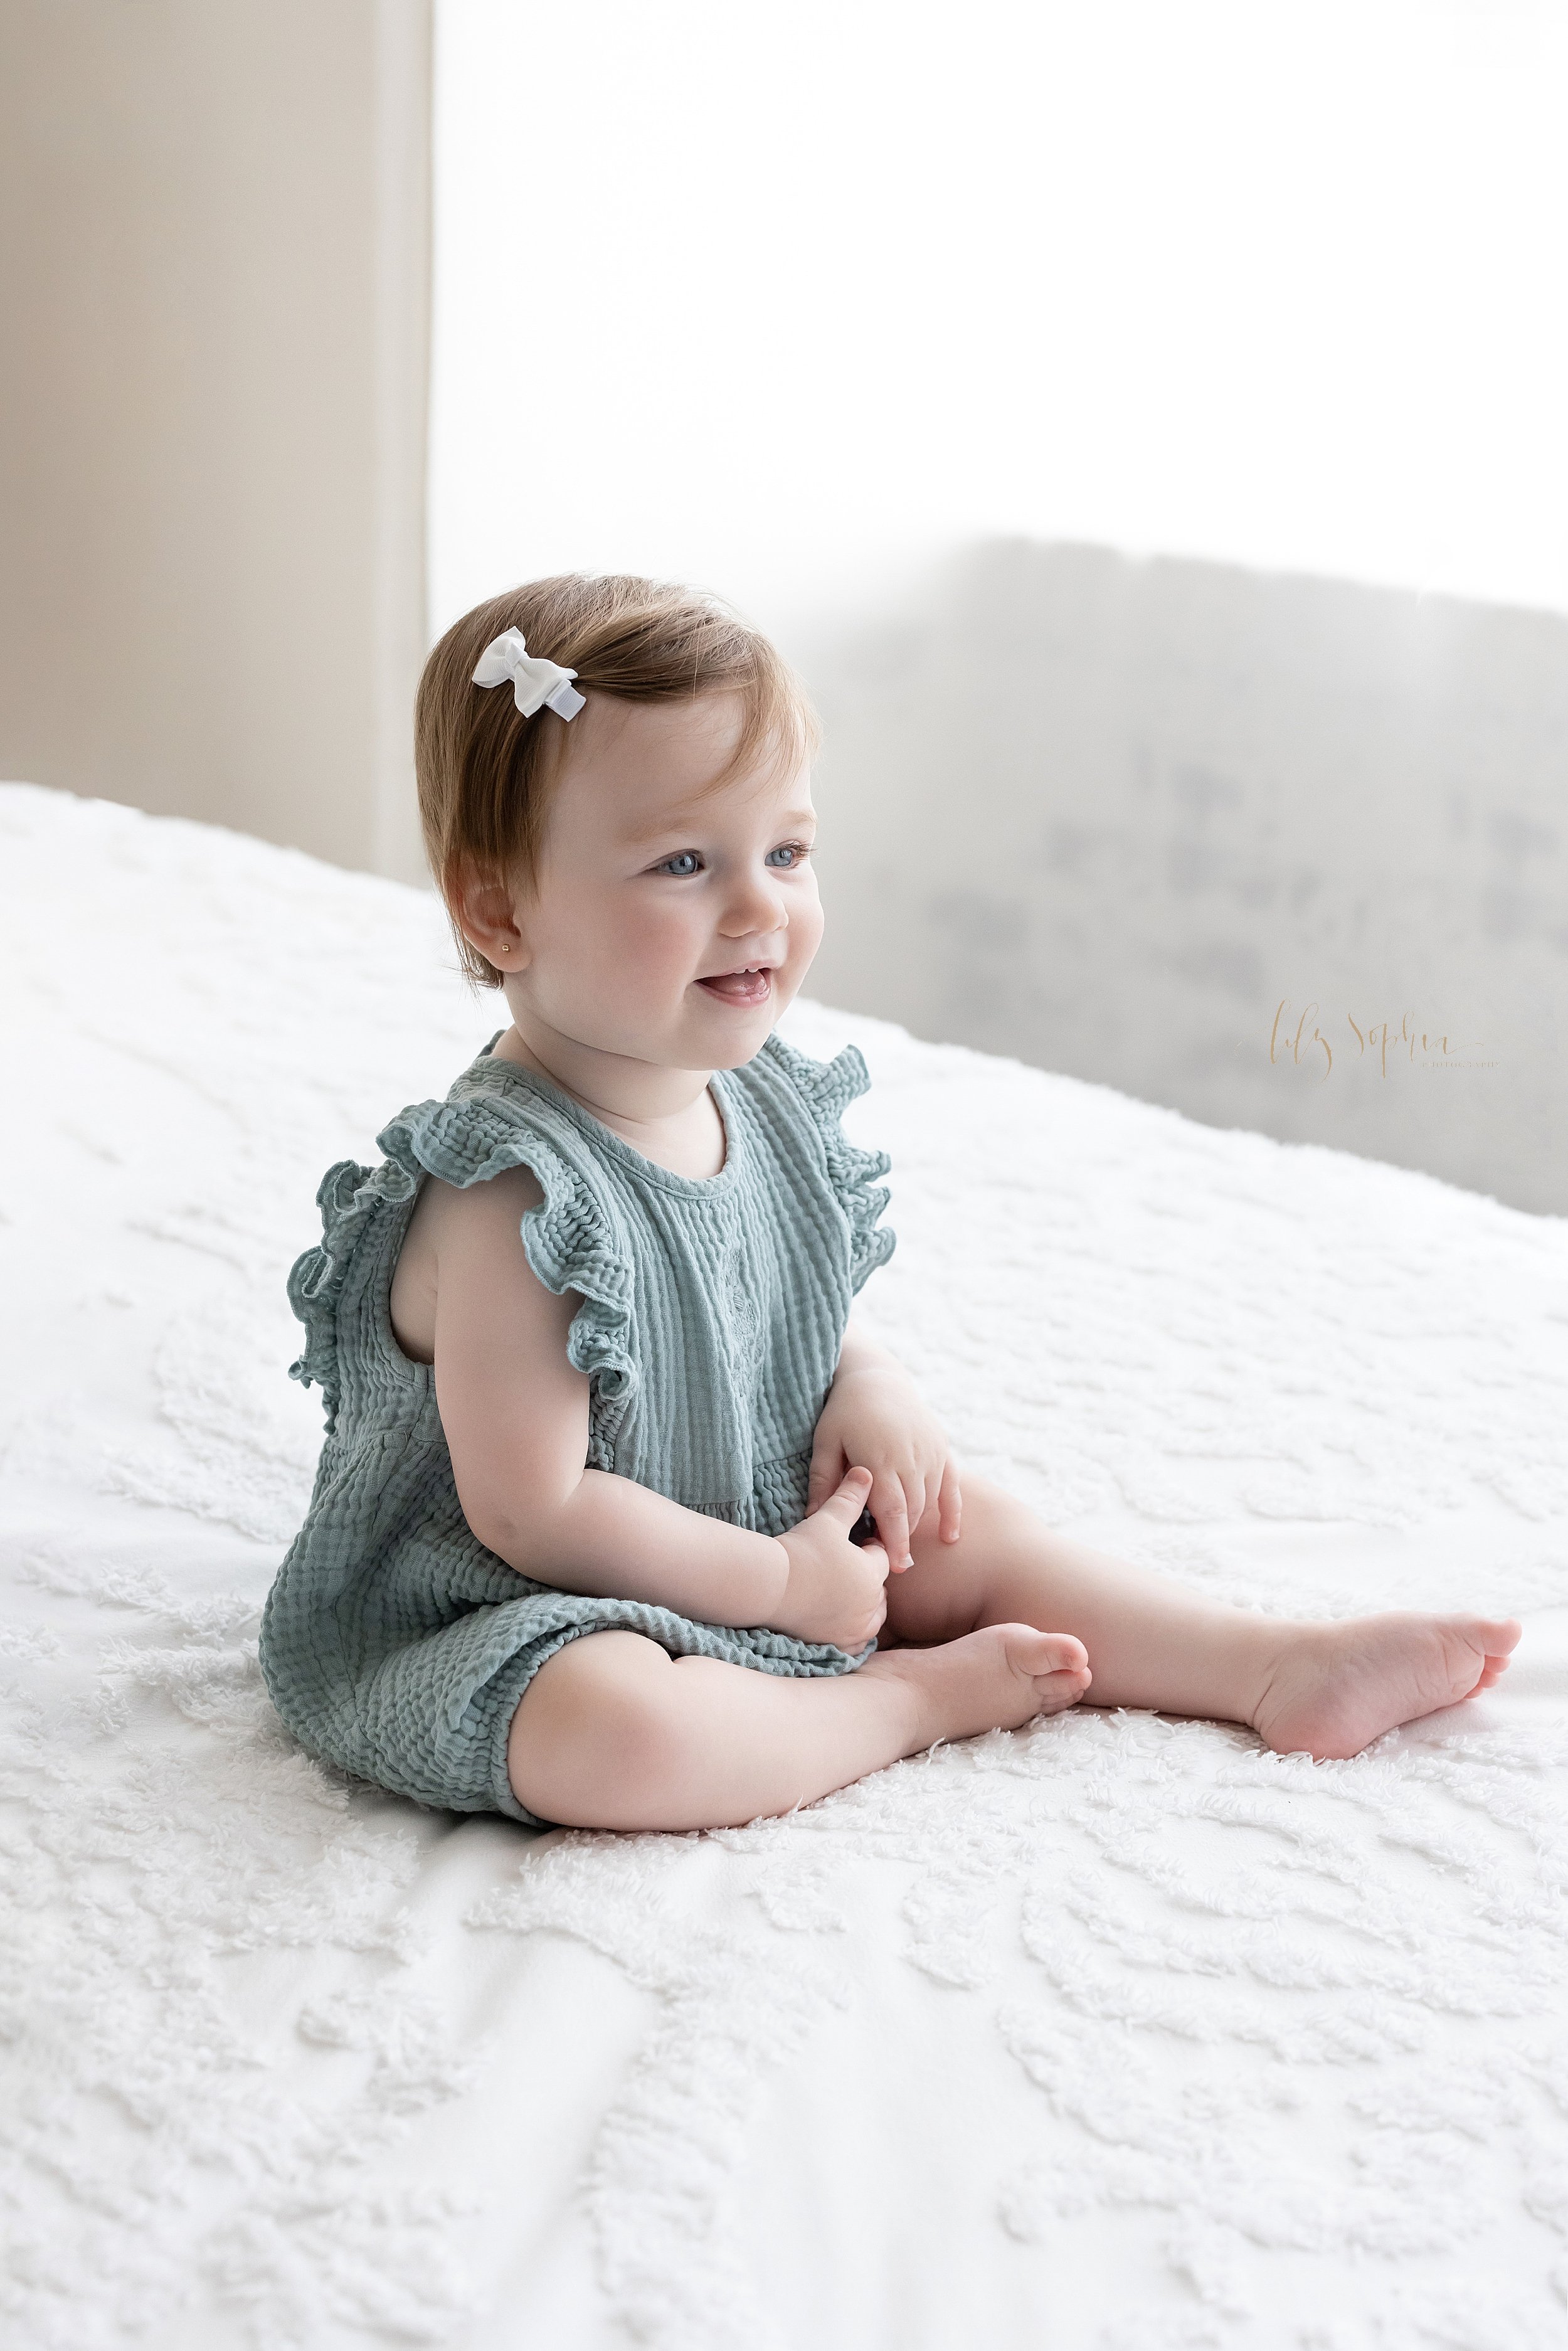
<point x="214" y="292"/>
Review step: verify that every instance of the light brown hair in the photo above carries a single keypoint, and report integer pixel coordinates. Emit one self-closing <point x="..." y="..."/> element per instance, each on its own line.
<point x="485" y="771"/>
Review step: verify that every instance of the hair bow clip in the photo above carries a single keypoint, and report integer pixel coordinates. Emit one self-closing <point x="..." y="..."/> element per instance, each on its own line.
<point x="537" y="684"/>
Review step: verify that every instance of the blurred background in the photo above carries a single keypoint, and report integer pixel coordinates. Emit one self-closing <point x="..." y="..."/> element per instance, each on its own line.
<point x="1142" y="425"/>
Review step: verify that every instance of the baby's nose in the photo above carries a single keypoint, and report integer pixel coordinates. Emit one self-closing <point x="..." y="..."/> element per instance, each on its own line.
<point x="757" y="908"/>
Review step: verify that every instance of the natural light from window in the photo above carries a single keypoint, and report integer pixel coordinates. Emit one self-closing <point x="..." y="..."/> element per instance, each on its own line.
<point x="790" y="299"/>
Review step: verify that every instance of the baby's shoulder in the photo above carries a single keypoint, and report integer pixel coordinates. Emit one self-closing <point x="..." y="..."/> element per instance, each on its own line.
<point x="457" y="1237"/>
<point x="498" y="1198"/>
<point x="451" y="1215"/>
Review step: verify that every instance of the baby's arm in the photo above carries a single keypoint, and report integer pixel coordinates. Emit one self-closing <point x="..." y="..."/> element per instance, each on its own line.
<point x="874" y="1415"/>
<point x="515" y="1413"/>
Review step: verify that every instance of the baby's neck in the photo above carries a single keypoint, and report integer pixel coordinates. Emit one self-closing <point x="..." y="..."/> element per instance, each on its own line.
<point x="668" y="1115"/>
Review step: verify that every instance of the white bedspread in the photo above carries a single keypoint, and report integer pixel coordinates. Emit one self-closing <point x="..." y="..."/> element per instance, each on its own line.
<point x="1113" y="2035"/>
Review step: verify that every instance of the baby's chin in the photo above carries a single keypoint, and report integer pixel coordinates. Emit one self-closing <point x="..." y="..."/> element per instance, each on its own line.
<point x="690" y="1044"/>
<point x="727" y="1035"/>
<point x="733" y="1050"/>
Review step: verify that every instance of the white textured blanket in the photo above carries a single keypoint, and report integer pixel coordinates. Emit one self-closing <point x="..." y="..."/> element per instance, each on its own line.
<point x="1114" y="2034"/>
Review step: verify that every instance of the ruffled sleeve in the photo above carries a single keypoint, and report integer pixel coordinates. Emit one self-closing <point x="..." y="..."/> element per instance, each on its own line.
<point x="827" y="1089"/>
<point x="573" y="1237"/>
<point x="347" y="1198"/>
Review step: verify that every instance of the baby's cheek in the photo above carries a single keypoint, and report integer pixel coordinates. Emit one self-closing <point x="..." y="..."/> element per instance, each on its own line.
<point x="807" y="923"/>
<point x="655" y="955"/>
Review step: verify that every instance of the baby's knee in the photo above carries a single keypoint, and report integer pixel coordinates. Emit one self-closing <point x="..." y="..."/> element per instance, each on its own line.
<point x="599" y="1735"/>
<point x="993" y="1516"/>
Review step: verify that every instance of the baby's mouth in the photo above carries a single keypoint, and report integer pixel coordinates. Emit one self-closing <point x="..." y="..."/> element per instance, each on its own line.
<point x="746" y="989"/>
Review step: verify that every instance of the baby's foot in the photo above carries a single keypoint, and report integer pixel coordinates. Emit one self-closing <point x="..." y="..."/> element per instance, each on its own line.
<point x="1336" y="1687"/>
<point x="991" y="1680"/>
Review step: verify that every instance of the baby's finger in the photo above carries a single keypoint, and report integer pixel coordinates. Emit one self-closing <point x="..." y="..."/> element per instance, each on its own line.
<point x="848" y="1498"/>
<point x="950" y="1504"/>
<point x="914" y="1502"/>
<point x="891" y="1512"/>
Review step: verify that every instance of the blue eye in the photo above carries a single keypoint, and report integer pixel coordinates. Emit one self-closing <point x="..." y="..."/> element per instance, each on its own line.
<point x="687" y="862"/>
<point x="787" y="855"/>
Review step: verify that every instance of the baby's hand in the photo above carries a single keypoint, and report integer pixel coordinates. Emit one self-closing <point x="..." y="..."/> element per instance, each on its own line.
<point x="834" y="1591"/>
<point x="874" y="1415"/>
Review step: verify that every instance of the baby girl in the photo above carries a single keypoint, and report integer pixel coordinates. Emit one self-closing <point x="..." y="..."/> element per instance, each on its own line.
<point x="621" y="1520"/>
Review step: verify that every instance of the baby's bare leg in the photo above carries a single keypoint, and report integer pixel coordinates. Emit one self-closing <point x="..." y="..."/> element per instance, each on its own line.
<point x="615" y="1733"/>
<point x="1329" y="1688"/>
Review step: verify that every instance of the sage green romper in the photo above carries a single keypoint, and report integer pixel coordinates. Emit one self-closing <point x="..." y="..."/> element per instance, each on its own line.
<point x="393" y="1643"/>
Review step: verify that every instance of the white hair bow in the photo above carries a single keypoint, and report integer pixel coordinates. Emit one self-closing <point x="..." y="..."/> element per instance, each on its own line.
<point x="537" y="684"/>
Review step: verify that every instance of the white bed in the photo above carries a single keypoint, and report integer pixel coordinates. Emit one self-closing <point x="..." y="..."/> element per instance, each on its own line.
<point x="1114" y="2034"/>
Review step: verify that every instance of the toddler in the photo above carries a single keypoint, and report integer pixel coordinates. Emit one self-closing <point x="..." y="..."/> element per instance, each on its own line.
<point x="620" y="1520"/>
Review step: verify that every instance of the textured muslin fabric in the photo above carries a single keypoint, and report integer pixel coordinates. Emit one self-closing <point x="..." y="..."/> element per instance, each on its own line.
<point x="393" y="1643"/>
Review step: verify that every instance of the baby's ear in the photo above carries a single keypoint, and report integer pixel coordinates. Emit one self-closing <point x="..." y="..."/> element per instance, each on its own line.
<point x="485" y="907"/>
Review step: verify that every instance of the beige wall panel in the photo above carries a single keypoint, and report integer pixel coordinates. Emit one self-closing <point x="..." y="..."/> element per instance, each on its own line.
<point x="214" y="288"/>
